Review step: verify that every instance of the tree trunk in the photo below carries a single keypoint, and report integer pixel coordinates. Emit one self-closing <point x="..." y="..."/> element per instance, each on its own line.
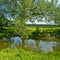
<point x="23" y="43"/>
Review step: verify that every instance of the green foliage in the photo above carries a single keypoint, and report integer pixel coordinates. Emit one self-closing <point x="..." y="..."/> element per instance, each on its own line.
<point x="36" y="33"/>
<point x="20" y="54"/>
<point x="23" y="10"/>
<point x="57" y="33"/>
<point x="20" y="28"/>
<point x="44" y="33"/>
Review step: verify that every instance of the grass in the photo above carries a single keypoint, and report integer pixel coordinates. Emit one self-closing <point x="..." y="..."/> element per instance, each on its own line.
<point x="43" y="28"/>
<point x="20" y="54"/>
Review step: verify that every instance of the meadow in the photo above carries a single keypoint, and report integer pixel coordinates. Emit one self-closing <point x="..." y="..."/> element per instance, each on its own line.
<point x="20" y="54"/>
<point x="43" y="28"/>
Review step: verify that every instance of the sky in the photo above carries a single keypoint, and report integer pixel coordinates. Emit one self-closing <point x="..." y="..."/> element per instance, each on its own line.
<point x="58" y="2"/>
<point x="36" y="22"/>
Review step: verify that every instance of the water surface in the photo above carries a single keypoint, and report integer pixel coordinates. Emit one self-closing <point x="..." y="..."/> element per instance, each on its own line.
<point x="31" y="44"/>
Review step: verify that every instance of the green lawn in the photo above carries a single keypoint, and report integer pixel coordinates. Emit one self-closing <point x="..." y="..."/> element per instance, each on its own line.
<point x="20" y="54"/>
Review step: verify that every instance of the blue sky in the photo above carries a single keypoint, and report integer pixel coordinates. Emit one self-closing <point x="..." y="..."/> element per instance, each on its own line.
<point x="59" y="2"/>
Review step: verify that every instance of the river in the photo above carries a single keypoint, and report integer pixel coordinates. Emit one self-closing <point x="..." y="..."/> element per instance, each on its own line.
<point x="31" y="44"/>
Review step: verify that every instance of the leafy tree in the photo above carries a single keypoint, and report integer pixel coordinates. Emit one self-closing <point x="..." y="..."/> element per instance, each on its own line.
<point x="23" y="10"/>
<point x="5" y="24"/>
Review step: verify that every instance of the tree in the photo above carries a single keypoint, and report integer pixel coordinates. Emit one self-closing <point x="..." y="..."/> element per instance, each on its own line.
<point x="23" y="10"/>
<point x="5" y="27"/>
<point x="5" y="24"/>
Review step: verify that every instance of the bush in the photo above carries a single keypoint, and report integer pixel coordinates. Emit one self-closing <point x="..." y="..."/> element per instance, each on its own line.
<point x="57" y="33"/>
<point x="36" y="34"/>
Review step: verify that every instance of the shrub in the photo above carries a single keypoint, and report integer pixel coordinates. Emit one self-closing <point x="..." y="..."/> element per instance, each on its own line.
<point x="36" y="34"/>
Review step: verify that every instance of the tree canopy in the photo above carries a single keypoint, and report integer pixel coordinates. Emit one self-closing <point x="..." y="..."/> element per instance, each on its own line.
<point x="22" y="10"/>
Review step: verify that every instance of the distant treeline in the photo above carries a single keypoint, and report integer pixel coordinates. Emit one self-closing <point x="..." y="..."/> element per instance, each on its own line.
<point x="43" y="25"/>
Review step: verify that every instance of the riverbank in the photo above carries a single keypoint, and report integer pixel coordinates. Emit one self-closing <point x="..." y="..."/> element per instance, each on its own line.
<point x="20" y="54"/>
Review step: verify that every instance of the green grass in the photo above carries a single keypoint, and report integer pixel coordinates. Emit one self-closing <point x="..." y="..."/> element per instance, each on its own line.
<point x="20" y="54"/>
<point x="32" y="28"/>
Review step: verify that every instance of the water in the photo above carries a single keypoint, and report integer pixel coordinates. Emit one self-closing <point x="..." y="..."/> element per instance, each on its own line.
<point x="31" y="44"/>
<point x="47" y="46"/>
<point x="16" y="41"/>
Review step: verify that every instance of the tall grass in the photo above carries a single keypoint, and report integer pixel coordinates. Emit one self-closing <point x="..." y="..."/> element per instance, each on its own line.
<point x="20" y="54"/>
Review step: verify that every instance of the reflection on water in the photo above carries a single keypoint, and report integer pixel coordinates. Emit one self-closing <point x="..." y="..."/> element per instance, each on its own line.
<point x="31" y="44"/>
<point x="35" y="45"/>
<point x="16" y="41"/>
<point x="47" y="46"/>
